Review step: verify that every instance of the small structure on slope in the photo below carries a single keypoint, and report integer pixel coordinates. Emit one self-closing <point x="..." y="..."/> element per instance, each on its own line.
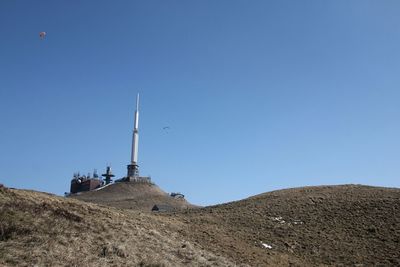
<point x="177" y="195"/>
<point x="162" y="207"/>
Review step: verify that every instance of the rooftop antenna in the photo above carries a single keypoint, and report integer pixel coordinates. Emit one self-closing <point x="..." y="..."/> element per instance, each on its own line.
<point x="133" y="167"/>
<point x="108" y="175"/>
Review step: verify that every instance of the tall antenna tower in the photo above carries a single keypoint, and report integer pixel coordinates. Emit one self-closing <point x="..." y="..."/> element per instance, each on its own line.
<point x="133" y="167"/>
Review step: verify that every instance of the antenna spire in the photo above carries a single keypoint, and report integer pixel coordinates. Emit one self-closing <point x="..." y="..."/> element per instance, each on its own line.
<point x="133" y="168"/>
<point x="137" y="102"/>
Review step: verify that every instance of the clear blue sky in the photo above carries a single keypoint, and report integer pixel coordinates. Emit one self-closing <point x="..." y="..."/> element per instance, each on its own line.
<point x="258" y="95"/>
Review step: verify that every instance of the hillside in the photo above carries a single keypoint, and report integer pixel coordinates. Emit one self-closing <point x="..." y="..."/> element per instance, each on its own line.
<point x="45" y="230"/>
<point x="325" y="225"/>
<point x="129" y="195"/>
<point x="348" y="225"/>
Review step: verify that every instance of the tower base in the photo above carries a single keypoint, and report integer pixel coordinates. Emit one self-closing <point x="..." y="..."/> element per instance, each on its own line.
<point x="133" y="175"/>
<point x="138" y="179"/>
<point x="133" y="170"/>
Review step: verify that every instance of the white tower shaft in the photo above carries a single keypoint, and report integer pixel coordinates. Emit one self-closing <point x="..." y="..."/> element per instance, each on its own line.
<point x="135" y="136"/>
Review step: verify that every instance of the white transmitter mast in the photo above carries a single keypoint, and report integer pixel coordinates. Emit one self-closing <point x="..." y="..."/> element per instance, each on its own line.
<point x="133" y="167"/>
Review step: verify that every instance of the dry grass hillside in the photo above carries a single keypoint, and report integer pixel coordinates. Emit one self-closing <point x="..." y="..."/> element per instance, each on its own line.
<point x="129" y="195"/>
<point x="38" y="229"/>
<point x="347" y="225"/>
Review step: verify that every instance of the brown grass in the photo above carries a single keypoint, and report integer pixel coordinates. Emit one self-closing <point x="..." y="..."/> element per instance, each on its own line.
<point x="313" y="226"/>
<point x="131" y="195"/>
<point x="45" y="230"/>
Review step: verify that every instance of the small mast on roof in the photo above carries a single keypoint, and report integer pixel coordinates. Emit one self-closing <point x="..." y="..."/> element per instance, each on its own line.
<point x="133" y="167"/>
<point x="108" y="175"/>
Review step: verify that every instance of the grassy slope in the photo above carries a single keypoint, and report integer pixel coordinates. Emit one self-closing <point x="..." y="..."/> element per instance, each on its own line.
<point x="42" y="229"/>
<point x="326" y="225"/>
<point x="311" y="226"/>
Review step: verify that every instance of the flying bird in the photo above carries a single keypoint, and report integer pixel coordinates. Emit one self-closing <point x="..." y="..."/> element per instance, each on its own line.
<point x="166" y="128"/>
<point x="42" y="35"/>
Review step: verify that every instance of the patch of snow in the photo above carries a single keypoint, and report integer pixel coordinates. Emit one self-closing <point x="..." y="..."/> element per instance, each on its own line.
<point x="266" y="245"/>
<point x="278" y="219"/>
<point x="100" y="188"/>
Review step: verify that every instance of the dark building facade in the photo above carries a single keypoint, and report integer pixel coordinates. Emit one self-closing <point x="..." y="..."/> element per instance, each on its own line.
<point x="81" y="184"/>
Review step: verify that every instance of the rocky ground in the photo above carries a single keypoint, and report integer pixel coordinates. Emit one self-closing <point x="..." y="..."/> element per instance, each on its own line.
<point x="348" y="225"/>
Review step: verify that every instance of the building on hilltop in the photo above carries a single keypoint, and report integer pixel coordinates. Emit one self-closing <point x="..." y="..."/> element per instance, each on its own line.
<point x="87" y="183"/>
<point x="84" y="183"/>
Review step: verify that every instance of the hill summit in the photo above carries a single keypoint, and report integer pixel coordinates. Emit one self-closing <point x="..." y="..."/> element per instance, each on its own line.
<point x="133" y="195"/>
